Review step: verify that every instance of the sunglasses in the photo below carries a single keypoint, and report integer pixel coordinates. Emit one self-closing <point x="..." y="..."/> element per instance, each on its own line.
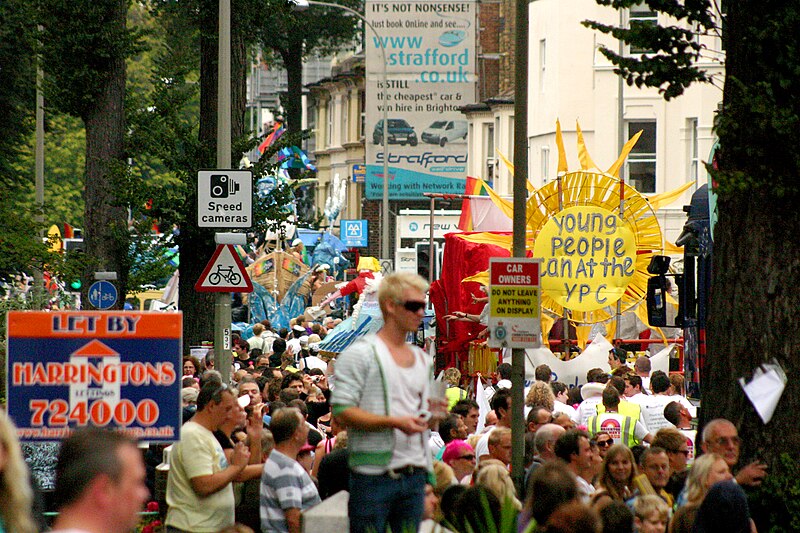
<point x="605" y="443"/>
<point x="413" y="305"/>
<point x="470" y="457"/>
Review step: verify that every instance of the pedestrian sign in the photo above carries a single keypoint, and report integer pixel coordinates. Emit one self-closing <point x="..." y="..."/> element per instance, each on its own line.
<point x="355" y="233"/>
<point x="102" y="295"/>
<point x="514" y="302"/>
<point x="225" y="272"/>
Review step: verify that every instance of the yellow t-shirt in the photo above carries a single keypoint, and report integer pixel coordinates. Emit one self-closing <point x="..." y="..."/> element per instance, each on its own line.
<point x="197" y="454"/>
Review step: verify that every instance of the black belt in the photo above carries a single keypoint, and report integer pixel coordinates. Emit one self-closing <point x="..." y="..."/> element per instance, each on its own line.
<point x="403" y="471"/>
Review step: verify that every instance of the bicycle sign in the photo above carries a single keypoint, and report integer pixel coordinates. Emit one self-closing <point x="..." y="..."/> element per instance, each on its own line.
<point x="225" y="272"/>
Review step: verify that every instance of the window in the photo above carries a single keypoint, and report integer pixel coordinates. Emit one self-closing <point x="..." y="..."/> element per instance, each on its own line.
<point x="694" y="159"/>
<point x="345" y="106"/>
<point x="362" y="105"/>
<point x="641" y="165"/>
<point x="542" y="63"/>
<point x="642" y="15"/>
<point x="491" y="160"/>
<point x="545" y="162"/>
<point x="329" y="136"/>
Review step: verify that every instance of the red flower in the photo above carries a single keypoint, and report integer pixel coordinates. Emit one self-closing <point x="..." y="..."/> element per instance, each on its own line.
<point x="152" y="507"/>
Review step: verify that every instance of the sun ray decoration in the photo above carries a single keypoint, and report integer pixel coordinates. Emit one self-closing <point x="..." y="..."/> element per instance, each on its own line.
<point x="598" y="192"/>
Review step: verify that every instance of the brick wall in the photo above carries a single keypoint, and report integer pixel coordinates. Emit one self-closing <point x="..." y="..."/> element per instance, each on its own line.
<point x="508" y="13"/>
<point x="371" y="210"/>
<point x="489" y="30"/>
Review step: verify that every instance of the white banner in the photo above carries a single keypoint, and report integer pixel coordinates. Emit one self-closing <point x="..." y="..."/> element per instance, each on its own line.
<point x="430" y="64"/>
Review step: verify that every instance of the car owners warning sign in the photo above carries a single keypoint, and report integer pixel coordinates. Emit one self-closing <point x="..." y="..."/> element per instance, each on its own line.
<point x="514" y="303"/>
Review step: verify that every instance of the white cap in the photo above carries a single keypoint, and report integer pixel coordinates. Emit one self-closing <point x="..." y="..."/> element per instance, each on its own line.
<point x="296" y="242"/>
<point x="303" y="340"/>
<point x="299" y="328"/>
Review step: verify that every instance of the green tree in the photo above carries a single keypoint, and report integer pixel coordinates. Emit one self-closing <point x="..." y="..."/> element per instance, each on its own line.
<point x="753" y="313"/>
<point x="85" y="44"/>
<point x="18" y="86"/>
<point x="295" y="36"/>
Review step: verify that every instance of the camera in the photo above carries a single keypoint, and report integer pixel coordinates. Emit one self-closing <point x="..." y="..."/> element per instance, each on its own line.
<point x="222" y="186"/>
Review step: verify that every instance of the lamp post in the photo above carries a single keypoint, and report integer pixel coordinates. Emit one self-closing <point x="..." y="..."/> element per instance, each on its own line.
<point x="302" y="5"/>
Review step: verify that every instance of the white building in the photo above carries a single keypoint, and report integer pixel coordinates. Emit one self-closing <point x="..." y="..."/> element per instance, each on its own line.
<point x="569" y="79"/>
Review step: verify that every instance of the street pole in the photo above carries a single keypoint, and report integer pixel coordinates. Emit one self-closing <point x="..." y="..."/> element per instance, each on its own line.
<point x="222" y="300"/>
<point x="385" y="252"/>
<point x="38" y="275"/>
<point x="519" y="227"/>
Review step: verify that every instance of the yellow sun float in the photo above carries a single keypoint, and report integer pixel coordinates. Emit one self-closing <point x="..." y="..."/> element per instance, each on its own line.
<point x="595" y="234"/>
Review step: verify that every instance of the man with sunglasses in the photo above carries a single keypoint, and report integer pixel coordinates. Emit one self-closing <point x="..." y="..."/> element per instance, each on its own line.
<point x="199" y="491"/>
<point x="382" y="396"/>
<point x="721" y="436"/>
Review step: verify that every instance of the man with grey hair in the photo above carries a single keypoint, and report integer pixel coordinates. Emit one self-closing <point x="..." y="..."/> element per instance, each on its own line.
<point x="720" y="436"/>
<point x="642" y="369"/>
<point x="544" y="442"/>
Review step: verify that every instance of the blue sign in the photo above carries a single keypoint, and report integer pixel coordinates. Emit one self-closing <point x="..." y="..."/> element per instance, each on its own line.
<point x="113" y="369"/>
<point x="354" y="233"/>
<point x="359" y="173"/>
<point x="102" y="295"/>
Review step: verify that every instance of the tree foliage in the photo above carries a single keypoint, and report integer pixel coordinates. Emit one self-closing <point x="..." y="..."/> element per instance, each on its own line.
<point x="752" y="313"/>
<point x="670" y="63"/>
<point x="17" y="89"/>
<point x="294" y="36"/>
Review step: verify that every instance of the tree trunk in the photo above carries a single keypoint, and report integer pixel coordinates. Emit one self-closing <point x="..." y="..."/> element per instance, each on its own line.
<point x="754" y="313"/>
<point x="106" y="235"/>
<point x="293" y="100"/>
<point x="197" y="244"/>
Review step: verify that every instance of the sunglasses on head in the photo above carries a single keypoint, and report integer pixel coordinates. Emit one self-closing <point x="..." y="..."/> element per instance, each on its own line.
<point x="413" y="305"/>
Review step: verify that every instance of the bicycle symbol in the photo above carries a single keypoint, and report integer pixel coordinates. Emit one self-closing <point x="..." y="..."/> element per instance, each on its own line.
<point x="226" y="273"/>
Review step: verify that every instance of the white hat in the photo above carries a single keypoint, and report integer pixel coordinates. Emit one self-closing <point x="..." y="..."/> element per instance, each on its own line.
<point x="299" y="329"/>
<point x="296" y="242"/>
<point x="590" y="390"/>
<point x="303" y="340"/>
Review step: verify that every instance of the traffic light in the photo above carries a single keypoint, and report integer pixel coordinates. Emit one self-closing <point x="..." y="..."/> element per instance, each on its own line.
<point x="75" y="285"/>
<point x="423" y="251"/>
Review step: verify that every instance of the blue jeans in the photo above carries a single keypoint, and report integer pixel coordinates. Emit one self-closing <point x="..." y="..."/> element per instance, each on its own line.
<point x="378" y="501"/>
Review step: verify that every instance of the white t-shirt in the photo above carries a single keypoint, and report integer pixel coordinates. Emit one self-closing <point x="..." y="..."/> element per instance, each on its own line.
<point x="482" y="448"/>
<point x="653" y="412"/>
<point x="586" y="409"/>
<point x="406" y="396"/>
<point x="559" y="407"/>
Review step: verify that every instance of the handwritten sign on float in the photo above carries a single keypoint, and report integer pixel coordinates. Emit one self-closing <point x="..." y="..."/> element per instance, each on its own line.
<point x="514" y="302"/>
<point x="589" y="257"/>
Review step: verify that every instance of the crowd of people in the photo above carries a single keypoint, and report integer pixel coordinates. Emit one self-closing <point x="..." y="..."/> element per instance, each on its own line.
<point x="294" y="427"/>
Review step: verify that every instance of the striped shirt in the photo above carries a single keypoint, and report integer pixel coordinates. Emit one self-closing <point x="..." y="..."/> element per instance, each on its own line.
<point x="284" y="485"/>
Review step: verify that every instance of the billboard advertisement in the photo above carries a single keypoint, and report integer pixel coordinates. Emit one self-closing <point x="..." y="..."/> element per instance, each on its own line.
<point x="114" y="369"/>
<point x="430" y="66"/>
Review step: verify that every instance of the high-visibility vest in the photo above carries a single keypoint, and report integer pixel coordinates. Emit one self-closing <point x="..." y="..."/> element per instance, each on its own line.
<point x="631" y="409"/>
<point x="454" y="394"/>
<point x="621" y="428"/>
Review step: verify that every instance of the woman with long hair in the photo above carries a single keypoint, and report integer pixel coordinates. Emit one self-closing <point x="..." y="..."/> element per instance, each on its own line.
<point x="616" y="476"/>
<point x="707" y="470"/>
<point x="16" y="495"/>
<point x="498" y="481"/>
